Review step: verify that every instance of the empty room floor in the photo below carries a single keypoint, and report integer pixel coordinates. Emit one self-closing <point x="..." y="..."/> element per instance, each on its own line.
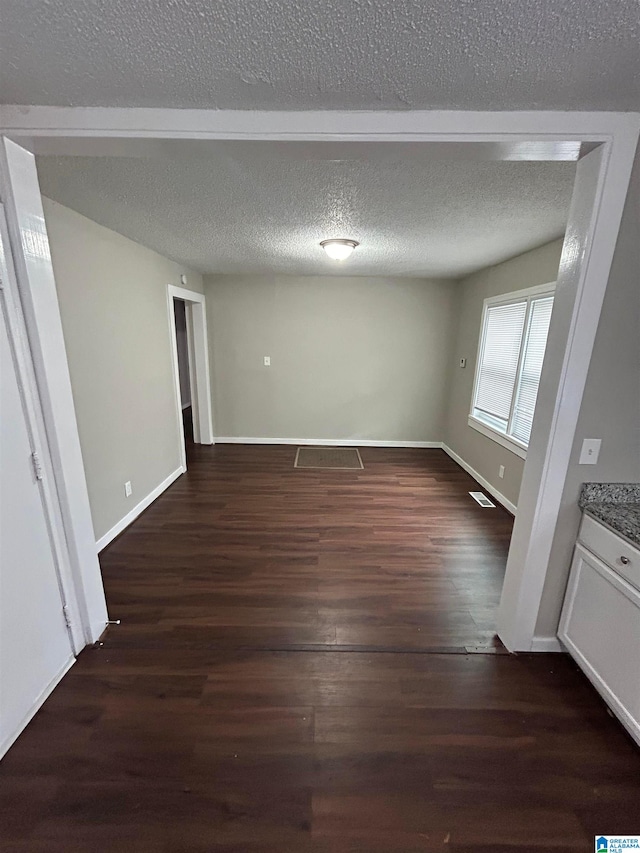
<point x="248" y="551"/>
<point x="307" y="662"/>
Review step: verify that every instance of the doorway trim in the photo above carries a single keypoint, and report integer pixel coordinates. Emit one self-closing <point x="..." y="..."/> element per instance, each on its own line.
<point x="16" y="330"/>
<point x="199" y="377"/>
<point x="36" y="291"/>
<point x="522" y="135"/>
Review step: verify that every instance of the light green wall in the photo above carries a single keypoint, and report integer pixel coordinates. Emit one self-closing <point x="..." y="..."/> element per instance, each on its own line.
<point x="484" y="455"/>
<point x="113" y="301"/>
<point x="351" y="358"/>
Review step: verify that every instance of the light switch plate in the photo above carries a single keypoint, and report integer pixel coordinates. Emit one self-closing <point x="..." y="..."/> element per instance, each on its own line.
<point x="463" y="362"/>
<point x="590" y="451"/>
<point x="267" y="361"/>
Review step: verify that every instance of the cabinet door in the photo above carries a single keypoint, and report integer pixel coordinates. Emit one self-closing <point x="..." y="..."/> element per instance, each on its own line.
<point x="600" y="626"/>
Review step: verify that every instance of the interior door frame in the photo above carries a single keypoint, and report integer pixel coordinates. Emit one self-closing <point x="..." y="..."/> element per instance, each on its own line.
<point x="601" y="186"/>
<point x="36" y="296"/>
<point x="199" y="376"/>
<point x="37" y="439"/>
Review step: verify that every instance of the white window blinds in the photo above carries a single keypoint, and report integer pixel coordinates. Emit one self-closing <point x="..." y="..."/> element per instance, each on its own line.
<point x="510" y="363"/>
<point x="532" y="359"/>
<point x="498" y="367"/>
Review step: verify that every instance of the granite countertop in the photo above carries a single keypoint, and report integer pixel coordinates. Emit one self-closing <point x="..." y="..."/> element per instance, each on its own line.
<point x="616" y="505"/>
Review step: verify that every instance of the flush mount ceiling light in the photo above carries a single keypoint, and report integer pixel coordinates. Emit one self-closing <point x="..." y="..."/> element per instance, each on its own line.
<point x="339" y="249"/>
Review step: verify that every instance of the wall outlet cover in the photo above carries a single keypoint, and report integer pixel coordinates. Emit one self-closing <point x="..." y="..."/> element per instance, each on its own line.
<point x="127" y="489"/>
<point x="590" y="451"/>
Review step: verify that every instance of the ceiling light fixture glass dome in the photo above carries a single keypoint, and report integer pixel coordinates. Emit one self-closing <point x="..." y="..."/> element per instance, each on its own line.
<point x="339" y="249"/>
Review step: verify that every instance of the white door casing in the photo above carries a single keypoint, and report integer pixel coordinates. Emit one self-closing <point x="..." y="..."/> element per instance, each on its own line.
<point x="582" y="280"/>
<point x="38" y="300"/>
<point x="530" y="135"/>
<point x="36" y="641"/>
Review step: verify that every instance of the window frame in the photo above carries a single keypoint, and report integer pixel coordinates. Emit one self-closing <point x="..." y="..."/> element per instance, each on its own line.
<point x="529" y="294"/>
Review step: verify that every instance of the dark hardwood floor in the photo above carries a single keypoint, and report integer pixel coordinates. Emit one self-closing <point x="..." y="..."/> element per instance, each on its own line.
<point x="306" y="662"/>
<point x="247" y="551"/>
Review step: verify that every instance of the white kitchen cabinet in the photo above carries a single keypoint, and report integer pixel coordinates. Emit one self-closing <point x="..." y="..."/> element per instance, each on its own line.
<point x="600" y="622"/>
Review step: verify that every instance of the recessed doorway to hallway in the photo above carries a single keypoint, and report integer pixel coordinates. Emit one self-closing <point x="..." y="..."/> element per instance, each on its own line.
<point x="190" y="355"/>
<point x="184" y="373"/>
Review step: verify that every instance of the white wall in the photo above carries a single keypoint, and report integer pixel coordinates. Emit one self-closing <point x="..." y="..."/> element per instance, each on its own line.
<point x="610" y="407"/>
<point x="113" y="301"/>
<point x="485" y="456"/>
<point x="351" y="358"/>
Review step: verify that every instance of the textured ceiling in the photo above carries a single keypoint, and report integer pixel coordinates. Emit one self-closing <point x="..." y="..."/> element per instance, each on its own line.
<point x="323" y="54"/>
<point x="259" y="207"/>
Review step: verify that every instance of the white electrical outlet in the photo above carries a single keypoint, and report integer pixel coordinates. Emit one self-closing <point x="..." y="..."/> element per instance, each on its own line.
<point x="590" y="451"/>
<point x="267" y="361"/>
<point x="127" y="489"/>
<point x="501" y="471"/>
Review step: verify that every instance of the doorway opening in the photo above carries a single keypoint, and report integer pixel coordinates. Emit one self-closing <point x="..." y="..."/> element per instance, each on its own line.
<point x="184" y="370"/>
<point x="602" y="175"/>
<point x="190" y="351"/>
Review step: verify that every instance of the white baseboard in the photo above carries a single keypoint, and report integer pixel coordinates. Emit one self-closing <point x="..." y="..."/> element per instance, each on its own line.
<point x="8" y="742"/>
<point x="324" y="442"/>
<point x="507" y="504"/>
<point x="110" y="535"/>
<point x="546" y="644"/>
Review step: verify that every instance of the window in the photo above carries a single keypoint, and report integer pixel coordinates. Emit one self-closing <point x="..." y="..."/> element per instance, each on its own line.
<point x="512" y="345"/>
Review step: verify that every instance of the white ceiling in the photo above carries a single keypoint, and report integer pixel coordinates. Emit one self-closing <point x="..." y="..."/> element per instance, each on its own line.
<point x="323" y="54"/>
<point x="262" y="207"/>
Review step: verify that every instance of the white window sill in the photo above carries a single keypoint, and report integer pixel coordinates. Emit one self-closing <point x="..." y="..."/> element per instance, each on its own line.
<point x="499" y="437"/>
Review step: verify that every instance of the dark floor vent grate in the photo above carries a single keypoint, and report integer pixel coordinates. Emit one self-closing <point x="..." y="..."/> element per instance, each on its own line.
<point x="328" y="457"/>
<point x="482" y="499"/>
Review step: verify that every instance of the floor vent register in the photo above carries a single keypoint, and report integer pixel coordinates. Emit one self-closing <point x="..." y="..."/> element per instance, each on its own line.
<point x="482" y="499"/>
<point x="328" y="457"/>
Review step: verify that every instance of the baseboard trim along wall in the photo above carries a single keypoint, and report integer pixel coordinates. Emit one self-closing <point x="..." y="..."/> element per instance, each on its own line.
<point x="546" y="644"/>
<point x="506" y="503"/>
<point x="326" y="442"/>
<point x="39" y="702"/>
<point x="110" y="535"/>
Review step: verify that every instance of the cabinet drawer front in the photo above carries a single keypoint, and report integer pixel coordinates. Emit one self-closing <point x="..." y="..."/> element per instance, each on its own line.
<point x="600" y="627"/>
<point x="611" y="549"/>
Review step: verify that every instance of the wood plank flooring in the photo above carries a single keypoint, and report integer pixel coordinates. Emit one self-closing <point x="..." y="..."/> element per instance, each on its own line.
<point x="248" y="551"/>
<point x="293" y="673"/>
